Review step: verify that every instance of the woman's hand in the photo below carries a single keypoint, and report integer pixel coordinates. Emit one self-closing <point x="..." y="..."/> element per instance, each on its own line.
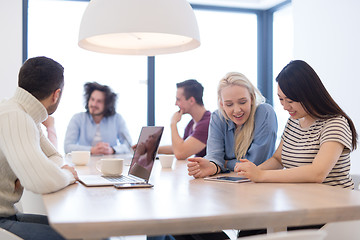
<point x="200" y="167"/>
<point x="248" y="169"/>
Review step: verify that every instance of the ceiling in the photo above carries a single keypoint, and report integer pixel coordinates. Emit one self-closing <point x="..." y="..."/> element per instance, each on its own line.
<point x="252" y="4"/>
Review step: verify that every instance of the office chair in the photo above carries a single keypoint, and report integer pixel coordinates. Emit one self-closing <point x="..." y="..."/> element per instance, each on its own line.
<point x="291" y="235"/>
<point x="348" y="230"/>
<point x="356" y="179"/>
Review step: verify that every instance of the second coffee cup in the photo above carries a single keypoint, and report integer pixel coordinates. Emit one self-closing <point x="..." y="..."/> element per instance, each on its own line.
<point x="79" y="158"/>
<point x="166" y="160"/>
<point x="110" y="166"/>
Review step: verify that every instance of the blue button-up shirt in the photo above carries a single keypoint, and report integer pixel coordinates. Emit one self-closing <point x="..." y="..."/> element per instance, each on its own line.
<point x="221" y="139"/>
<point x="82" y="128"/>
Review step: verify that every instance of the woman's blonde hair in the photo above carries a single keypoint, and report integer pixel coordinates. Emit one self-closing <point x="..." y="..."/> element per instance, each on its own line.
<point x="245" y="134"/>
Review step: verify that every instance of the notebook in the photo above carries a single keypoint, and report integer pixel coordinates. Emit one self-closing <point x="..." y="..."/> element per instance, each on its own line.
<point x="141" y="164"/>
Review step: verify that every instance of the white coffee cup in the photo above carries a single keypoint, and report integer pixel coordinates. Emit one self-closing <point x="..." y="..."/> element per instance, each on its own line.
<point x="166" y="160"/>
<point x="79" y="157"/>
<point x="110" y="166"/>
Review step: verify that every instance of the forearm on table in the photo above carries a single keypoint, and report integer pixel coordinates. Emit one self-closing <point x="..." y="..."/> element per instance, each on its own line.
<point x="303" y="174"/>
<point x="165" y="149"/>
<point x="271" y="164"/>
<point x="191" y="146"/>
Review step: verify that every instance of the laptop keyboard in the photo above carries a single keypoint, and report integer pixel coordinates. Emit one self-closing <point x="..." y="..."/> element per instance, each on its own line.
<point x="122" y="178"/>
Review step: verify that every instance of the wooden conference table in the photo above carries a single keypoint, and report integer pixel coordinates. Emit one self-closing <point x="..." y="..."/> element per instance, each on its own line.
<point x="180" y="204"/>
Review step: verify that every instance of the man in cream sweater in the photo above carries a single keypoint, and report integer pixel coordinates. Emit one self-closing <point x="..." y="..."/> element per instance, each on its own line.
<point x="27" y="158"/>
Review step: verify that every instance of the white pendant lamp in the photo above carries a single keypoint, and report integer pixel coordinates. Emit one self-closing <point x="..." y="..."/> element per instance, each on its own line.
<point x="139" y="27"/>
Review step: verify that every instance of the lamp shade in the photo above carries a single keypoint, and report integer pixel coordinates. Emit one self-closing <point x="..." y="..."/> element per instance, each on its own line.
<point x="139" y="27"/>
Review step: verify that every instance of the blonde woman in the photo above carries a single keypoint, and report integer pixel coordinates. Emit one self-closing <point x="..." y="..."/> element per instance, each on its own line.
<point x="243" y="127"/>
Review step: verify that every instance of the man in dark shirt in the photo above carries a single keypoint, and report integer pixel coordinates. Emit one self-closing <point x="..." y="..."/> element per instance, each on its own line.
<point x="189" y="99"/>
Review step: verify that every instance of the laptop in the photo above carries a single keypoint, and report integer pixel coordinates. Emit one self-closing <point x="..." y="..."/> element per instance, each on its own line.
<point x="141" y="164"/>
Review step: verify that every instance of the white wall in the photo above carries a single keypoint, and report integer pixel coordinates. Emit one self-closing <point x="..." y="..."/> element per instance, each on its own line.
<point x="10" y="62"/>
<point x="326" y="33"/>
<point x="327" y="36"/>
<point x="10" y="45"/>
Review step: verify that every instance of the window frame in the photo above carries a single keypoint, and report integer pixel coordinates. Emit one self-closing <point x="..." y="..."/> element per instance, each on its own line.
<point x="264" y="49"/>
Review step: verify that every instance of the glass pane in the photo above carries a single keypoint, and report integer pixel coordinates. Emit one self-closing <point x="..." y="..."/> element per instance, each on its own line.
<point x="283" y="54"/>
<point x="228" y="43"/>
<point x="53" y="32"/>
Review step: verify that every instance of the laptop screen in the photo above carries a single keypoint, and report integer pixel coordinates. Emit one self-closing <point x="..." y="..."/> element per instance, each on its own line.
<point x="145" y="152"/>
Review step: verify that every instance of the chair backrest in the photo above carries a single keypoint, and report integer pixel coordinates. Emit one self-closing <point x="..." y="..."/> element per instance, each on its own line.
<point x="5" y="235"/>
<point x="356" y="179"/>
<point x="348" y="230"/>
<point x="291" y="235"/>
<point x="32" y="203"/>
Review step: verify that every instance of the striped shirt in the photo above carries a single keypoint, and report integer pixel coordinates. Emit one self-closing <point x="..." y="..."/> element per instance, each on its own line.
<point x="300" y="146"/>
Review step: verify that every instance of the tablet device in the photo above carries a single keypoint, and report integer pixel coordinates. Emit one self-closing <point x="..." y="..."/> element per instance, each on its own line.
<point x="227" y="179"/>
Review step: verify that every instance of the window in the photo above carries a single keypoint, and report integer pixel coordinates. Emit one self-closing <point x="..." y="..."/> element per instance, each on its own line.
<point x="53" y="28"/>
<point x="228" y="44"/>
<point x="283" y="54"/>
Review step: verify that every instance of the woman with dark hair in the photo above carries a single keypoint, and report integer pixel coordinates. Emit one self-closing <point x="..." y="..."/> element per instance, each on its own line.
<point x="318" y="137"/>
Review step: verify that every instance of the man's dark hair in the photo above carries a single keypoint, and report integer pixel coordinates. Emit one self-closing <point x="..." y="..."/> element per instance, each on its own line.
<point x="192" y="88"/>
<point x="110" y="97"/>
<point x="41" y="76"/>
